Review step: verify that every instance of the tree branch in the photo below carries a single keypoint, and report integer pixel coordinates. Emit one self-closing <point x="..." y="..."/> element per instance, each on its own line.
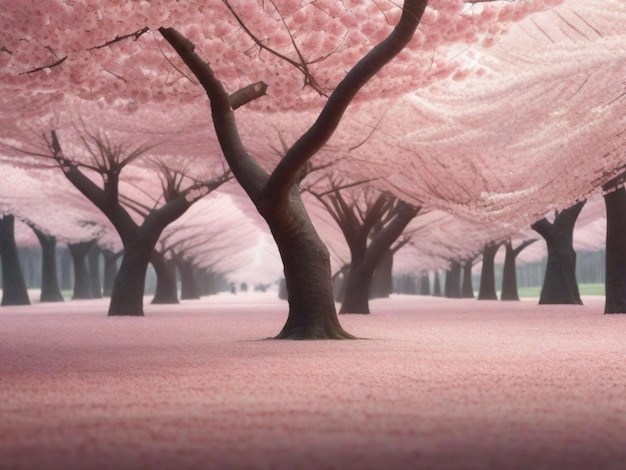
<point x="250" y="175"/>
<point x="136" y="35"/>
<point x="49" y="66"/>
<point x="286" y="173"/>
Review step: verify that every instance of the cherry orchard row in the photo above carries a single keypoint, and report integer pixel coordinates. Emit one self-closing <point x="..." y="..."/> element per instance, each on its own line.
<point x="401" y="150"/>
<point x="434" y="165"/>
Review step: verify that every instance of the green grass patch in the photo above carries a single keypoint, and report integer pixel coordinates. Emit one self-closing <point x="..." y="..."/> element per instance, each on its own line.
<point x="585" y="289"/>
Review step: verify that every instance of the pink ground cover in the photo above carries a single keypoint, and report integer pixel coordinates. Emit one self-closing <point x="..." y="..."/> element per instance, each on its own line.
<point x="434" y="383"/>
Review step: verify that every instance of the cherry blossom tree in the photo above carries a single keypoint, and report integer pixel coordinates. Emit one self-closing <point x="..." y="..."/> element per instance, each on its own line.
<point x="370" y="223"/>
<point x="560" y="285"/>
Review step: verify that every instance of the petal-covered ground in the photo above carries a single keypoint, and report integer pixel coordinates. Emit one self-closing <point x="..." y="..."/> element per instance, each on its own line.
<point x="435" y="383"/>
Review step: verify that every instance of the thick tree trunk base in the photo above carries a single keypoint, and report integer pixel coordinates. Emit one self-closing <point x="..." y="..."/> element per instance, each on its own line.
<point x="313" y="332"/>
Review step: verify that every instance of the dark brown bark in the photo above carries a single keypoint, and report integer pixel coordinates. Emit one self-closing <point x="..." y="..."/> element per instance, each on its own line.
<point x="487" y="289"/>
<point x="560" y="285"/>
<point x="166" y="291"/>
<point x="82" y="282"/>
<point x="305" y="258"/>
<point x="50" y="290"/>
<point x="509" y="273"/>
<point x="14" y="290"/>
<point x="615" y="280"/>
<point x="452" y="286"/>
<point x="128" y="289"/>
<point x="363" y="265"/>
<point x="467" y="289"/>
<point x="306" y="262"/>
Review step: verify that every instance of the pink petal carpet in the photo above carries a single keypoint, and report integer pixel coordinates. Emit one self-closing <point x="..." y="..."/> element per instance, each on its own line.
<point x="433" y="384"/>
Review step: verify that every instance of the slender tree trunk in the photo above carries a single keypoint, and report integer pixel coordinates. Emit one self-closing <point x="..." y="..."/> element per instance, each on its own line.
<point x="452" y="288"/>
<point x="110" y="271"/>
<point x="14" y="290"/>
<point x="467" y="291"/>
<point x="66" y="269"/>
<point x="615" y="280"/>
<point x="509" y="273"/>
<point x="188" y="282"/>
<point x="382" y="282"/>
<point x="50" y="290"/>
<point x="437" y="285"/>
<point x="306" y="260"/>
<point x="487" y="289"/>
<point x="166" y="289"/>
<point x="82" y="283"/>
<point x="425" y="284"/>
<point x="93" y="260"/>
<point x="560" y="285"/>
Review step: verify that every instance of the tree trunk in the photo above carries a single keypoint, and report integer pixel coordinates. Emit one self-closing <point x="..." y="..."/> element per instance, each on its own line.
<point x="437" y="285"/>
<point x="66" y="269"/>
<point x="509" y="273"/>
<point x="467" y="291"/>
<point x="82" y="283"/>
<point x="425" y="284"/>
<point x="188" y="282"/>
<point x="306" y="260"/>
<point x="356" y="298"/>
<point x="166" y="289"/>
<point x="560" y="285"/>
<point x="93" y="260"/>
<point x="452" y="287"/>
<point x="487" y="289"/>
<point x="14" y="290"/>
<point x="50" y="290"/>
<point x="615" y="280"/>
<point x="382" y="282"/>
<point x="110" y="271"/>
<point x="128" y="289"/>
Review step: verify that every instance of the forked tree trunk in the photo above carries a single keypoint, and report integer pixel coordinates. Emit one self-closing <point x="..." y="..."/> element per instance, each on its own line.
<point x="356" y="298"/>
<point x="425" y="284"/>
<point x="166" y="289"/>
<point x="615" y="280"/>
<point x="14" y="290"/>
<point x="487" y="289"/>
<point x="560" y="285"/>
<point x="509" y="272"/>
<point x="306" y="260"/>
<point x="82" y="283"/>
<point x="452" y="286"/>
<point x="467" y="290"/>
<point x="50" y="290"/>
